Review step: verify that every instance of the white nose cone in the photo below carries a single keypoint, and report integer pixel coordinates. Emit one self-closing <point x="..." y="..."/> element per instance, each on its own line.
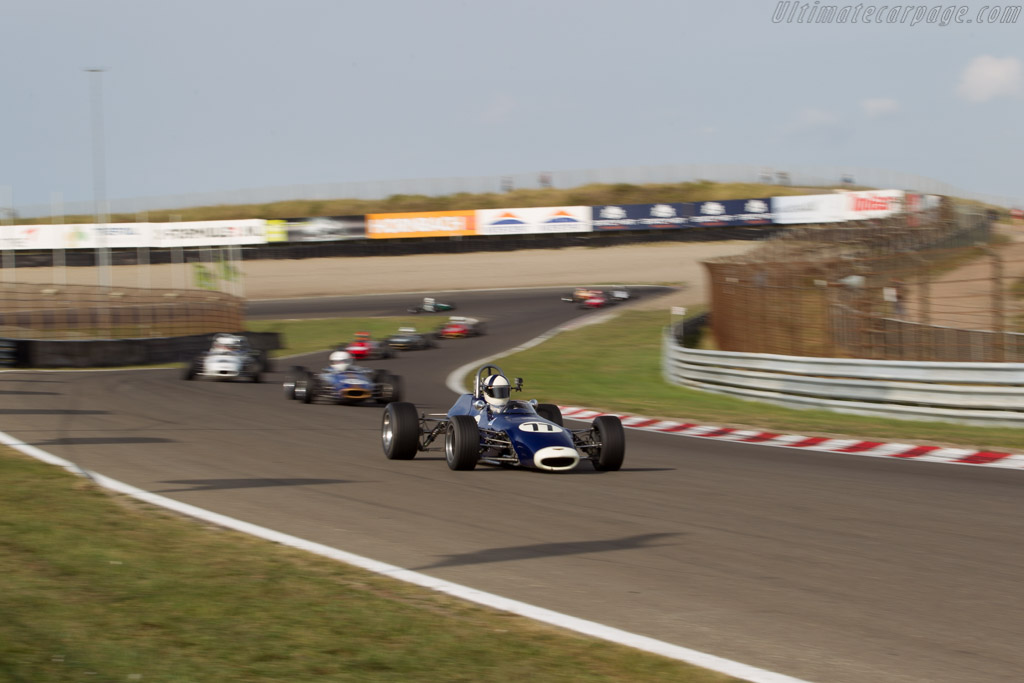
<point x="556" y="458"/>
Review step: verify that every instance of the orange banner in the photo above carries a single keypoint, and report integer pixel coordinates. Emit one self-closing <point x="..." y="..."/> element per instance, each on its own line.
<point x="425" y="224"/>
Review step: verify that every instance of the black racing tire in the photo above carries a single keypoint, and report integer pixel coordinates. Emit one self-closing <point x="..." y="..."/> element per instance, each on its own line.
<point x="294" y="374"/>
<point x="264" y="362"/>
<point x="400" y="431"/>
<point x="191" y="369"/>
<point x="462" y="443"/>
<point x="306" y="388"/>
<point x="550" y="412"/>
<point x="609" y="432"/>
<point x="395" y="394"/>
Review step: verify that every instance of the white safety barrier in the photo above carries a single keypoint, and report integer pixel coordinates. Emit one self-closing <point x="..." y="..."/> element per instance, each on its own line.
<point x="989" y="394"/>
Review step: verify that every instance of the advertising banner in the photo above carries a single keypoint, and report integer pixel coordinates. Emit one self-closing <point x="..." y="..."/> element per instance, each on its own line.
<point x="641" y="216"/>
<point x="872" y="204"/>
<point x="75" y="236"/>
<point x="532" y="221"/>
<point x="422" y="224"/>
<point x="325" y="228"/>
<point x="732" y="212"/>
<point x="809" y="209"/>
<point x="209" y="233"/>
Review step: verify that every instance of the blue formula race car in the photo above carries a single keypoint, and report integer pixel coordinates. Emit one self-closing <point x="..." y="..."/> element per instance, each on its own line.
<point x="343" y="382"/>
<point x="488" y="426"/>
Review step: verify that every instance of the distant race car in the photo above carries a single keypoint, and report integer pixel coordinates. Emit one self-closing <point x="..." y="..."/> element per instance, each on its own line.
<point x="431" y="305"/>
<point x="229" y="357"/>
<point x="488" y="426"/>
<point x="342" y="382"/>
<point x="580" y="294"/>
<point x="619" y="294"/>
<point x="408" y="339"/>
<point x="597" y="299"/>
<point x="459" y="326"/>
<point x="365" y="347"/>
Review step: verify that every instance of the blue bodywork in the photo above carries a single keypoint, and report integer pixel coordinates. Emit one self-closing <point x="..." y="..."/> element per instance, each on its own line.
<point x="516" y="433"/>
<point x="354" y="384"/>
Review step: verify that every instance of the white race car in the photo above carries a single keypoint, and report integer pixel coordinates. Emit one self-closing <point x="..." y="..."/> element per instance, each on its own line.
<point x="229" y="357"/>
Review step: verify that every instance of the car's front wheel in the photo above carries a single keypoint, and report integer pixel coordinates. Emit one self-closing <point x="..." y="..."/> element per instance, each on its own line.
<point x="400" y="431"/>
<point x="305" y="388"/>
<point x="191" y="369"/>
<point x="391" y="389"/>
<point x="462" y="443"/>
<point x="609" y="433"/>
<point x="290" y="381"/>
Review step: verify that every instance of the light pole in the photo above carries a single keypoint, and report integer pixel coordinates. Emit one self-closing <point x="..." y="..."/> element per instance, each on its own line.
<point x="99" y="176"/>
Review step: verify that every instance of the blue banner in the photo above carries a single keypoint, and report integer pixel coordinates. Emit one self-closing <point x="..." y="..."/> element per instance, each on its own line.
<point x="732" y="212"/>
<point x="641" y="216"/>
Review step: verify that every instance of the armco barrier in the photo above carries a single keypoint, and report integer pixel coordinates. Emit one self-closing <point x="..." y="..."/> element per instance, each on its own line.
<point x="987" y="394"/>
<point x="122" y="352"/>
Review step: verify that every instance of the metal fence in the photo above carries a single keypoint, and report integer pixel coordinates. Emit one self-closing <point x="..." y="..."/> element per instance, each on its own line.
<point x="93" y="312"/>
<point x="931" y="287"/>
<point x="818" y="176"/>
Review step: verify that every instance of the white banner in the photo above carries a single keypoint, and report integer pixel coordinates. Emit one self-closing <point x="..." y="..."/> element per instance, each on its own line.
<point x="89" y="236"/>
<point x="535" y="220"/>
<point x="133" y="235"/>
<point x="813" y="208"/>
<point x="209" y="233"/>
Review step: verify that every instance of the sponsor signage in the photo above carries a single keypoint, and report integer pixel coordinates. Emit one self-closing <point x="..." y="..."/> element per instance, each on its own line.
<point x="873" y="204"/>
<point x="424" y="224"/>
<point x="75" y="236"/>
<point x="325" y="228"/>
<point x="209" y="233"/>
<point x="641" y="216"/>
<point x="535" y="220"/>
<point x="732" y="212"/>
<point x="809" y="209"/>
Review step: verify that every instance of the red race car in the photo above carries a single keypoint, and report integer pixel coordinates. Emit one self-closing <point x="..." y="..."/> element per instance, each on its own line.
<point x="459" y="326"/>
<point x="596" y="299"/>
<point x="365" y="347"/>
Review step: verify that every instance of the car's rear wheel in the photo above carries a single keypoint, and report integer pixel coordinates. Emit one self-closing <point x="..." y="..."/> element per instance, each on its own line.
<point x="191" y="368"/>
<point x="550" y="412"/>
<point x="609" y="433"/>
<point x="400" y="431"/>
<point x="462" y="443"/>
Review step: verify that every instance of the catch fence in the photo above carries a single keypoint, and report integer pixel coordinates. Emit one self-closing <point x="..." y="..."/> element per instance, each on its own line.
<point x="934" y="286"/>
<point x="94" y="312"/>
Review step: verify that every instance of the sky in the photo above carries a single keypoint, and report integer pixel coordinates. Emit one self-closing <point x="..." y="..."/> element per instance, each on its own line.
<point x="216" y="95"/>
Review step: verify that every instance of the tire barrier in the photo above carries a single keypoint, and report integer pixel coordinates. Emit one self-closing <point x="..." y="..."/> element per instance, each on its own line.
<point x="91" y="353"/>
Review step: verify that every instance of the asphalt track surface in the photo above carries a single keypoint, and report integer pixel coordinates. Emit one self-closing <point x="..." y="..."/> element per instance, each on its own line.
<point x="822" y="566"/>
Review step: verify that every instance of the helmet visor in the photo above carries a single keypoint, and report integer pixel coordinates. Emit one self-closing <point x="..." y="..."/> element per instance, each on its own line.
<point x="500" y="392"/>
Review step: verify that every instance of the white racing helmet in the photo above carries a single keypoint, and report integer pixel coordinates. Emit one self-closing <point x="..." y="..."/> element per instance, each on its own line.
<point x="226" y="342"/>
<point x="341" y="360"/>
<point x="497" y="390"/>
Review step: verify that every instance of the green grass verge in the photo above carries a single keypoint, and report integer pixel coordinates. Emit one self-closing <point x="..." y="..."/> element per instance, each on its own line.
<point x="616" y="366"/>
<point x="99" y="587"/>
